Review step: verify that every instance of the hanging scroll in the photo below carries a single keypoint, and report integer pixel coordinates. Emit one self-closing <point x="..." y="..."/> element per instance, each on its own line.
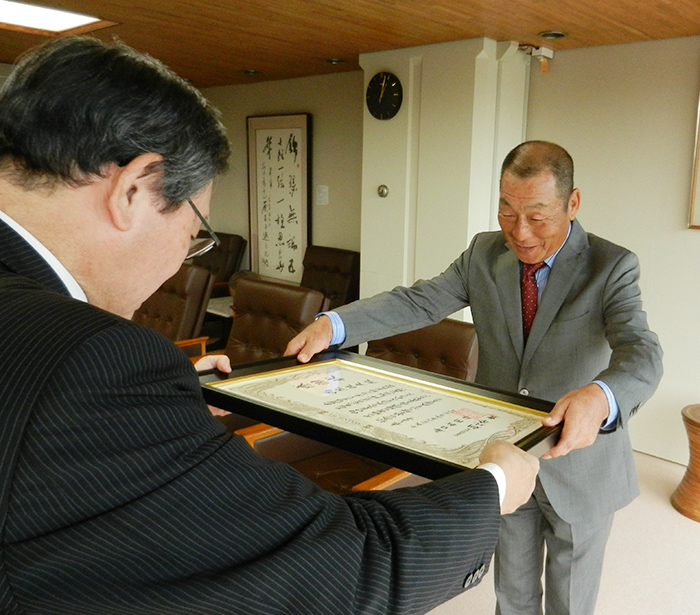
<point x="278" y="177"/>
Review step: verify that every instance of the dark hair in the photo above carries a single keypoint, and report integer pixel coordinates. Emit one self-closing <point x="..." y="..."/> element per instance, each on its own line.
<point x="76" y="104"/>
<point x="534" y="157"/>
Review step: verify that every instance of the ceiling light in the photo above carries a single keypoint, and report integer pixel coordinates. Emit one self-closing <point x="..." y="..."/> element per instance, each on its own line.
<point x="251" y="71"/>
<point x="553" y="35"/>
<point x="40" y="18"/>
<point x="335" y="61"/>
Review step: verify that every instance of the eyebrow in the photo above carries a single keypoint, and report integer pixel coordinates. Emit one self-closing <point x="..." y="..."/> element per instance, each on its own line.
<point x="533" y="207"/>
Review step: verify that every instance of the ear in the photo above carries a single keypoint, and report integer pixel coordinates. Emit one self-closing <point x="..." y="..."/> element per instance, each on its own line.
<point x="131" y="189"/>
<point x="574" y="202"/>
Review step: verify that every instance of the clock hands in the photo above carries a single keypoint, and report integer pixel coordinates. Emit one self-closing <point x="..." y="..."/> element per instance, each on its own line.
<point x="384" y="84"/>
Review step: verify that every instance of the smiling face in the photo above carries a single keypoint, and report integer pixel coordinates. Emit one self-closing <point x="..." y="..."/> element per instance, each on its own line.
<point x="533" y="215"/>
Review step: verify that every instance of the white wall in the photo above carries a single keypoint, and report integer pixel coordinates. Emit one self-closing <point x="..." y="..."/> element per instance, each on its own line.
<point x="627" y="114"/>
<point x="336" y="103"/>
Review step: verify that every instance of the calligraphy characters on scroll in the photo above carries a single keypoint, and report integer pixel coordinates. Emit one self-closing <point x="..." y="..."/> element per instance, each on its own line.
<point x="279" y="202"/>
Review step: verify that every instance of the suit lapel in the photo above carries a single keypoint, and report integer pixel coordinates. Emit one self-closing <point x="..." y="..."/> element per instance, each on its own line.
<point x="561" y="278"/>
<point x="17" y="256"/>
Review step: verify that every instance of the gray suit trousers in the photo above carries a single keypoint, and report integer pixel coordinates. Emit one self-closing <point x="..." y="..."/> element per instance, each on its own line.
<point x="574" y="556"/>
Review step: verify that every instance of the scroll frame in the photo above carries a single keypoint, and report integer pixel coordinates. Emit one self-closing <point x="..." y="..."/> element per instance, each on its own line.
<point x="279" y="256"/>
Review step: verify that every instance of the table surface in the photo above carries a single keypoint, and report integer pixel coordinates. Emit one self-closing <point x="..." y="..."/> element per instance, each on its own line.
<point x="221" y="306"/>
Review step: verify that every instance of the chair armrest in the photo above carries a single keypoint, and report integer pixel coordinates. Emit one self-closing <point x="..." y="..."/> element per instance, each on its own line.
<point x="257" y="432"/>
<point x="194" y="347"/>
<point x="382" y="481"/>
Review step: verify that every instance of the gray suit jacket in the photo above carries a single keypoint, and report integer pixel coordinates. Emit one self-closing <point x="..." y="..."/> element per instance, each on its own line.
<point x="119" y="493"/>
<point x="589" y="326"/>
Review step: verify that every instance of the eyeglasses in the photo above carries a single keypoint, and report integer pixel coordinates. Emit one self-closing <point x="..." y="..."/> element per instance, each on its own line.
<point x="200" y="246"/>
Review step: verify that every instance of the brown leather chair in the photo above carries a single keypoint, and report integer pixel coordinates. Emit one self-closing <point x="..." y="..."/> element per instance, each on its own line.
<point x="267" y="315"/>
<point x="177" y="308"/>
<point x="333" y="271"/>
<point x="449" y="347"/>
<point x="222" y="261"/>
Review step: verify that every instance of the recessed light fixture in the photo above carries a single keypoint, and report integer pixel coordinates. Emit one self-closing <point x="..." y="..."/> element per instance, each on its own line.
<point x="34" y="19"/>
<point x="251" y="71"/>
<point x="553" y="35"/>
<point x="335" y="61"/>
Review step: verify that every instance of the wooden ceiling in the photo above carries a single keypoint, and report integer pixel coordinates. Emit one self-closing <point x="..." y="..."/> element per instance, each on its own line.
<point x="212" y="42"/>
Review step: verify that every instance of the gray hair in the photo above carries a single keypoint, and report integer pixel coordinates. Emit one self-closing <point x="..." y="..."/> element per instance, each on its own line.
<point x="75" y="105"/>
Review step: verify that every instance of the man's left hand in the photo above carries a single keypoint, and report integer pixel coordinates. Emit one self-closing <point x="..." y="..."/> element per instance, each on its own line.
<point x="582" y="411"/>
<point x="214" y="361"/>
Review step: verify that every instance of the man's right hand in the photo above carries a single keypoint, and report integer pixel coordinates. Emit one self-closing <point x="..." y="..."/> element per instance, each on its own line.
<point x="520" y="469"/>
<point x="315" y="338"/>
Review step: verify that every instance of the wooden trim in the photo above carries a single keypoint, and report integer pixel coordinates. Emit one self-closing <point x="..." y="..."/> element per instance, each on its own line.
<point x="382" y="481"/>
<point x="258" y="432"/>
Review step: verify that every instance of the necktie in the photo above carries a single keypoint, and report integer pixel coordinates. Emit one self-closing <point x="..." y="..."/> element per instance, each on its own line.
<point x="528" y="287"/>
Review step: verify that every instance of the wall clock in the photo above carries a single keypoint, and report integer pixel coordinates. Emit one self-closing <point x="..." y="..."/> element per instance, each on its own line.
<point x="384" y="95"/>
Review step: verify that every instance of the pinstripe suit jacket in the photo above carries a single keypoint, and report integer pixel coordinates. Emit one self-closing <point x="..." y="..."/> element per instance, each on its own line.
<point x="589" y="326"/>
<point x="119" y="494"/>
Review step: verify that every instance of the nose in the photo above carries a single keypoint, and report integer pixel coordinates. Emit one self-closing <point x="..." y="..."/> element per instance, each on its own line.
<point x="521" y="229"/>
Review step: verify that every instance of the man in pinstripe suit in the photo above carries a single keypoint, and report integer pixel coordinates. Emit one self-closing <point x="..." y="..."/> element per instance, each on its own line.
<point x="119" y="493"/>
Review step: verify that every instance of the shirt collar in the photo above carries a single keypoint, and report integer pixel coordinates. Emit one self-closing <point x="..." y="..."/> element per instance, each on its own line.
<point x="549" y="261"/>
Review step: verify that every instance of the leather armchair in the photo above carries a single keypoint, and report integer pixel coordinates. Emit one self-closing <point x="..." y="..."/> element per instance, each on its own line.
<point x="177" y="308"/>
<point x="334" y="272"/>
<point x="222" y="261"/>
<point x="449" y="347"/>
<point x="267" y="315"/>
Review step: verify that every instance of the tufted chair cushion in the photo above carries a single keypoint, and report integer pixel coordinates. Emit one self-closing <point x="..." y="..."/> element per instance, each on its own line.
<point x="224" y="260"/>
<point x="177" y="308"/>
<point x="266" y="316"/>
<point x="334" y="272"/>
<point x="449" y="347"/>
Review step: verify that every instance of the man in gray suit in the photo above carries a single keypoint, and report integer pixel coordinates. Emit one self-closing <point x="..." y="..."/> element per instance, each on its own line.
<point x="588" y="349"/>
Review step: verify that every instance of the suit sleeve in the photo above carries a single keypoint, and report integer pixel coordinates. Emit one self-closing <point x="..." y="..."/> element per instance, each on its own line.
<point x="407" y="308"/>
<point x="635" y="366"/>
<point x="129" y="497"/>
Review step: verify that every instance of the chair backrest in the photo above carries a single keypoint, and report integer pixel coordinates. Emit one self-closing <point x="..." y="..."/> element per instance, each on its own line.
<point x="449" y="347"/>
<point x="177" y="308"/>
<point x="266" y="316"/>
<point x="334" y="272"/>
<point x="225" y="259"/>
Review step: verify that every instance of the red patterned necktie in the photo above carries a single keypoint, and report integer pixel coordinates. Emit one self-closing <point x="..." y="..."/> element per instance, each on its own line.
<point x="528" y="287"/>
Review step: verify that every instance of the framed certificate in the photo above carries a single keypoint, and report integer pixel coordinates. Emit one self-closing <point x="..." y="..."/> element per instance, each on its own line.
<point x="421" y="422"/>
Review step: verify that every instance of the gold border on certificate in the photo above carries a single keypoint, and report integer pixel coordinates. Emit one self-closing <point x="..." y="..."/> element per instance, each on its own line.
<point x="406" y="412"/>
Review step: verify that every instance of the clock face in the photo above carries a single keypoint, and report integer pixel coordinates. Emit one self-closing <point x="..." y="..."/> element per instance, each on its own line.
<point x="384" y="95"/>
